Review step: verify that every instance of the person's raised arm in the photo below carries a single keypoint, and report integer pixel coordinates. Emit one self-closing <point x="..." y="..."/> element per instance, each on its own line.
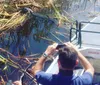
<point x="85" y="63"/>
<point x="39" y="65"/>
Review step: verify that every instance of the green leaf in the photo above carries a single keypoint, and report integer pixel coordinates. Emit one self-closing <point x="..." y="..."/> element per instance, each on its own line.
<point x="2" y="59"/>
<point x="5" y="68"/>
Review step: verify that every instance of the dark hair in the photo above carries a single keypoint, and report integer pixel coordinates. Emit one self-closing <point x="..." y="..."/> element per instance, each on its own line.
<point x="67" y="57"/>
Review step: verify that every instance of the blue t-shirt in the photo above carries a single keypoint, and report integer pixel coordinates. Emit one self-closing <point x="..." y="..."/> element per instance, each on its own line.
<point x="57" y="79"/>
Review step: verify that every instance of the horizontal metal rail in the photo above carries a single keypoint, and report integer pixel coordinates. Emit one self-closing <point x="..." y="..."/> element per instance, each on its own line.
<point x="90" y="22"/>
<point x="86" y="31"/>
<point x="79" y="31"/>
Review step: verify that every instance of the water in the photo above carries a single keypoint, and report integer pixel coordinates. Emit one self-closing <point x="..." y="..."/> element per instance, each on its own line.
<point x="26" y="41"/>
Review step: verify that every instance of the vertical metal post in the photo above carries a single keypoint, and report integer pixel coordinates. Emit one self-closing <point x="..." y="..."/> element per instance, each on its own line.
<point x="76" y="27"/>
<point x="80" y="36"/>
<point x="70" y="37"/>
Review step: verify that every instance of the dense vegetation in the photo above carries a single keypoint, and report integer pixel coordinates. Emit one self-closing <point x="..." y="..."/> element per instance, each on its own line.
<point x="25" y="24"/>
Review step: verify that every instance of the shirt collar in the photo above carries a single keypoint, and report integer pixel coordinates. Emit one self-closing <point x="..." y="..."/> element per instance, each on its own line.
<point x="66" y="72"/>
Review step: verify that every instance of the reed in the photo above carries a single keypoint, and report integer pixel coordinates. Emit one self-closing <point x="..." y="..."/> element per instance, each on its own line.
<point x="10" y="18"/>
<point x="12" y="23"/>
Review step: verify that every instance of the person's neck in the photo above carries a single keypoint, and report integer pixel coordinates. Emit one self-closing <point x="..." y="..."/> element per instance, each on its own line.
<point x="66" y="72"/>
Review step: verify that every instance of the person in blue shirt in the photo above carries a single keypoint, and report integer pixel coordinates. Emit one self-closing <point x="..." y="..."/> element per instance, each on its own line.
<point x="69" y="56"/>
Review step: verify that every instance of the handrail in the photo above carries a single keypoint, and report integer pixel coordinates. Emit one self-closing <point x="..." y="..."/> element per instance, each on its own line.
<point x="90" y="22"/>
<point x="75" y="32"/>
<point x="79" y="31"/>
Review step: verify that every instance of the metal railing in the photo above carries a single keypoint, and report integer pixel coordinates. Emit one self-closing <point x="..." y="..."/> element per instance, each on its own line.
<point x="78" y="33"/>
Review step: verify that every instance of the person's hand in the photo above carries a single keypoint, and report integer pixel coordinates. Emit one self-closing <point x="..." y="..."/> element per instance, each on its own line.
<point x="51" y="49"/>
<point x="17" y="83"/>
<point x="71" y="45"/>
<point x="31" y="70"/>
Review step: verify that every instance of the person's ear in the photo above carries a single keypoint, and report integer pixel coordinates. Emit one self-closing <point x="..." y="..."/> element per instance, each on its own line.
<point x="77" y="61"/>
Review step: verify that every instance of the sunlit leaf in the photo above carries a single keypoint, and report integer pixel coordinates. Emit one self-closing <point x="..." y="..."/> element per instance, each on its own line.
<point x="5" y="68"/>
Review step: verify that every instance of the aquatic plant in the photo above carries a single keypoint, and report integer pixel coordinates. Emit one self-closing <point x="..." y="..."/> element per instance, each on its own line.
<point x="20" y="26"/>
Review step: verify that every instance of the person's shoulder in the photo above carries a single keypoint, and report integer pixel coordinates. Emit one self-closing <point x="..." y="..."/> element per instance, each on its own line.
<point x="86" y="78"/>
<point x="42" y="74"/>
<point x="87" y="75"/>
<point x="43" y="77"/>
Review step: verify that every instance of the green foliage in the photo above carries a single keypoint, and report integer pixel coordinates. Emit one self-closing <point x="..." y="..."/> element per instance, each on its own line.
<point x="5" y="63"/>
